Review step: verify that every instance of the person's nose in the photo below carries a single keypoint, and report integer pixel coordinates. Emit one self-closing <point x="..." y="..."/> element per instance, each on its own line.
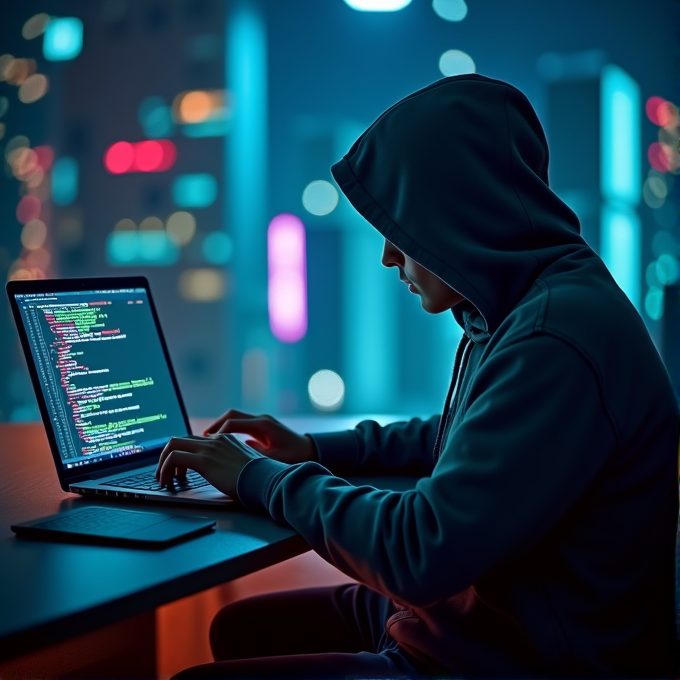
<point x="391" y="256"/>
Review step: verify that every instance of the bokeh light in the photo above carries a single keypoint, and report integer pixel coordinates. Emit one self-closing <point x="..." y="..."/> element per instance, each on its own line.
<point x="35" y="26"/>
<point x="202" y="284"/>
<point x="150" y="247"/>
<point x="217" y="247"/>
<point x="63" y="39"/>
<point x="450" y="10"/>
<point x="119" y="158"/>
<point x="65" y="181"/>
<point x="654" y="192"/>
<point x="194" y="191"/>
<point x="5" y="61"/>
<point x="126" y="224"/>
<point x="378" y="5"/>
<point x="154" y="155"/>
<point x="667" y="269"/>
<point x="45" y="156"/>
<point x="664" y="242"/>
<point x="287" y="289"/>
<point x="326" y="390"/>
<point x="17" y="71"/>
<point x="4" y="106"/>
<point x="155" y="117"/>
<point x="33" y="88"/>
<point x="151" y="223"/>
<point x="320" y="197"/>
<point x="28" y="209"/>
<point x="658" y="157"/>
<point x="456" y="62"/>
<point x="181" y="227"/>
<point x="199" y="106"/>
<point x="34" y="235"/>
<point x="654" y="303"/>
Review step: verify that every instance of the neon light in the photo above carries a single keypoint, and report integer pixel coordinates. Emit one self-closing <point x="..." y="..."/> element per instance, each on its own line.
<point x="620" y="136"/>
<point x="378" y="5"/>
<point x="194" y="191"/>
<point x="119" y="158"/>
<point x="155" y="155"/>
<point x="620" y="247"/>
<point x="287" y="290"/>
<point x="127" y="248"/>
<point x="65" y="181"/>
<point x="63" y="39"/>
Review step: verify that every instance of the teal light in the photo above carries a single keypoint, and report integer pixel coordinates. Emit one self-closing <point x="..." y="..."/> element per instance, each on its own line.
<point x="127" y="248"/>
<point x="209" y="128"/>
<point x="155" y="117"/>
<point x="620" y="136"/>
<point x="194" y="191"/>
<point x="378" y="5"/>
<point x="65" y="180"/>
<point x="620" y="246"/>
<point x="63" y="39"/>
<point x="217" y="247"/>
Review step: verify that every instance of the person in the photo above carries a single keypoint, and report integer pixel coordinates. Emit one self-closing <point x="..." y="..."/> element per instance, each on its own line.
<point x="539" y="539"/>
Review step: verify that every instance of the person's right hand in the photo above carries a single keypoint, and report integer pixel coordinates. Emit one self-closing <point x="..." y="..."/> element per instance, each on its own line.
<point x="267" y="436"/>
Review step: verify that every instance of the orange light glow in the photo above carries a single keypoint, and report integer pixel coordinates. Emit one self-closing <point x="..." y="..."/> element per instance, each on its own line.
<point x="197" y="106"/>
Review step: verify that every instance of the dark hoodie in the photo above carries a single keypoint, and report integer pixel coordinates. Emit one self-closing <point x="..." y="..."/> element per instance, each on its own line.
<point x="542" y="540"/>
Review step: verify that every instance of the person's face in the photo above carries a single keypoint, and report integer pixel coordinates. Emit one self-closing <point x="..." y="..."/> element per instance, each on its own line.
<point x="435" y="295"/>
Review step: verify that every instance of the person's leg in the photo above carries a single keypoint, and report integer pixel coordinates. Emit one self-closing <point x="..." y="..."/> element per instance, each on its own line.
<point x="309" y="621"/>
<point x="337" y="631"/>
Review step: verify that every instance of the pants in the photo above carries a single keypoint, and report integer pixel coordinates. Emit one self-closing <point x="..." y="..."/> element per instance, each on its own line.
<point x="331" y="632"/>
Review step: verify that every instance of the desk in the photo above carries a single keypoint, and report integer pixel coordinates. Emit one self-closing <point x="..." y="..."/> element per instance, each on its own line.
<point x="52" y="591"/>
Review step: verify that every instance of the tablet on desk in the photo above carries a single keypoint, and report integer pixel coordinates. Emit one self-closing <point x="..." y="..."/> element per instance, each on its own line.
<point x="114" y="526"/>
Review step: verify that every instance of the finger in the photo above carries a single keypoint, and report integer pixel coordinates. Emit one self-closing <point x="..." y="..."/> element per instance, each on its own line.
<point x="259" y="427"/>
<point x="256" y="445"/>
<point x="181" y="443"/>
<point x="232" y="413"/>
<point x="177" y="459"/>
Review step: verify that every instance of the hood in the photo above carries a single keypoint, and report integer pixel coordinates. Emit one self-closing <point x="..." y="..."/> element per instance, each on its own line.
<point x="456" y="176"/>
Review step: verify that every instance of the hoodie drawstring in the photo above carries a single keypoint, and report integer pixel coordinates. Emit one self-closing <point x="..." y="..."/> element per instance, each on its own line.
<point x="459" y="365"/>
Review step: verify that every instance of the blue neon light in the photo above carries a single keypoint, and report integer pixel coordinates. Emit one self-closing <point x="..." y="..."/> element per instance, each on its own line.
<point x="63" y="39"/>
<point x="65" y="180"/>
<point x="620" y="247"/>
<point x="194" y="191"/>
<point x="127" y="248"/>
<point x="620" y="136"/>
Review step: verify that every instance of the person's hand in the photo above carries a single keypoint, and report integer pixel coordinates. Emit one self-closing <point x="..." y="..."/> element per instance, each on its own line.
<point x="267" y="435"/>
<point x="219" y="458"/>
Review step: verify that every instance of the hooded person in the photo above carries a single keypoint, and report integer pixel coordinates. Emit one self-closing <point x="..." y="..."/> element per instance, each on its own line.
<point x="539" y="539"/>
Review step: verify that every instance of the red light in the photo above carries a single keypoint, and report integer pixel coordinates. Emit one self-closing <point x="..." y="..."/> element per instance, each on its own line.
<point x="148" y="156"/>
<point x="169" y="154"/>
<point x="119" y="158"/>
<point x="28" y="209"/>
<point x="152" y="155"/>
<point x="45" y="157"/>
<point x="658" y="157"/>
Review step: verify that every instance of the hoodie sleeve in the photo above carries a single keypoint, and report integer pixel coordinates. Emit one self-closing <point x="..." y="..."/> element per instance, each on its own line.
<point x="534" y="436"/>
<point x="404" y="448"/>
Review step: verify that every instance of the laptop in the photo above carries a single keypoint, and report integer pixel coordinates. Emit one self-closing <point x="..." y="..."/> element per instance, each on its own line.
<point x="106" y="390"/>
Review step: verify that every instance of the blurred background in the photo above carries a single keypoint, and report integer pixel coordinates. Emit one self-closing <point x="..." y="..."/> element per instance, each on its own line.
<point x="191" y="141"/>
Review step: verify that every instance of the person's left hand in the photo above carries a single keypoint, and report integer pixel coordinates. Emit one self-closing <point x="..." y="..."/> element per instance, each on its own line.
<point x="219" y="458"/>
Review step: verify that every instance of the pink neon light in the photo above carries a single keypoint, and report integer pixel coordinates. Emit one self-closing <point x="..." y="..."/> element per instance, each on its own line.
<point x="287" y="289"/>
<point x="151" y="155"/>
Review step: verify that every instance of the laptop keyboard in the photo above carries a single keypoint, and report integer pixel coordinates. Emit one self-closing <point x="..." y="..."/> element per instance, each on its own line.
<point x="147" y="482"/>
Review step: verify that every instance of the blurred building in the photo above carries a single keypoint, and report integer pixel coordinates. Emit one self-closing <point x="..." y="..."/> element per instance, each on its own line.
<point x="191" y="140"/>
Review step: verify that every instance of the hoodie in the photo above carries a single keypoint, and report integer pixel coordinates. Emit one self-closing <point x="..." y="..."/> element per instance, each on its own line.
<point x="539" y="539"/>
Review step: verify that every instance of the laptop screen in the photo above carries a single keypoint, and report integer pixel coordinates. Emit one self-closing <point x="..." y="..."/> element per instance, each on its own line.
<point x="104" y="377"/>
